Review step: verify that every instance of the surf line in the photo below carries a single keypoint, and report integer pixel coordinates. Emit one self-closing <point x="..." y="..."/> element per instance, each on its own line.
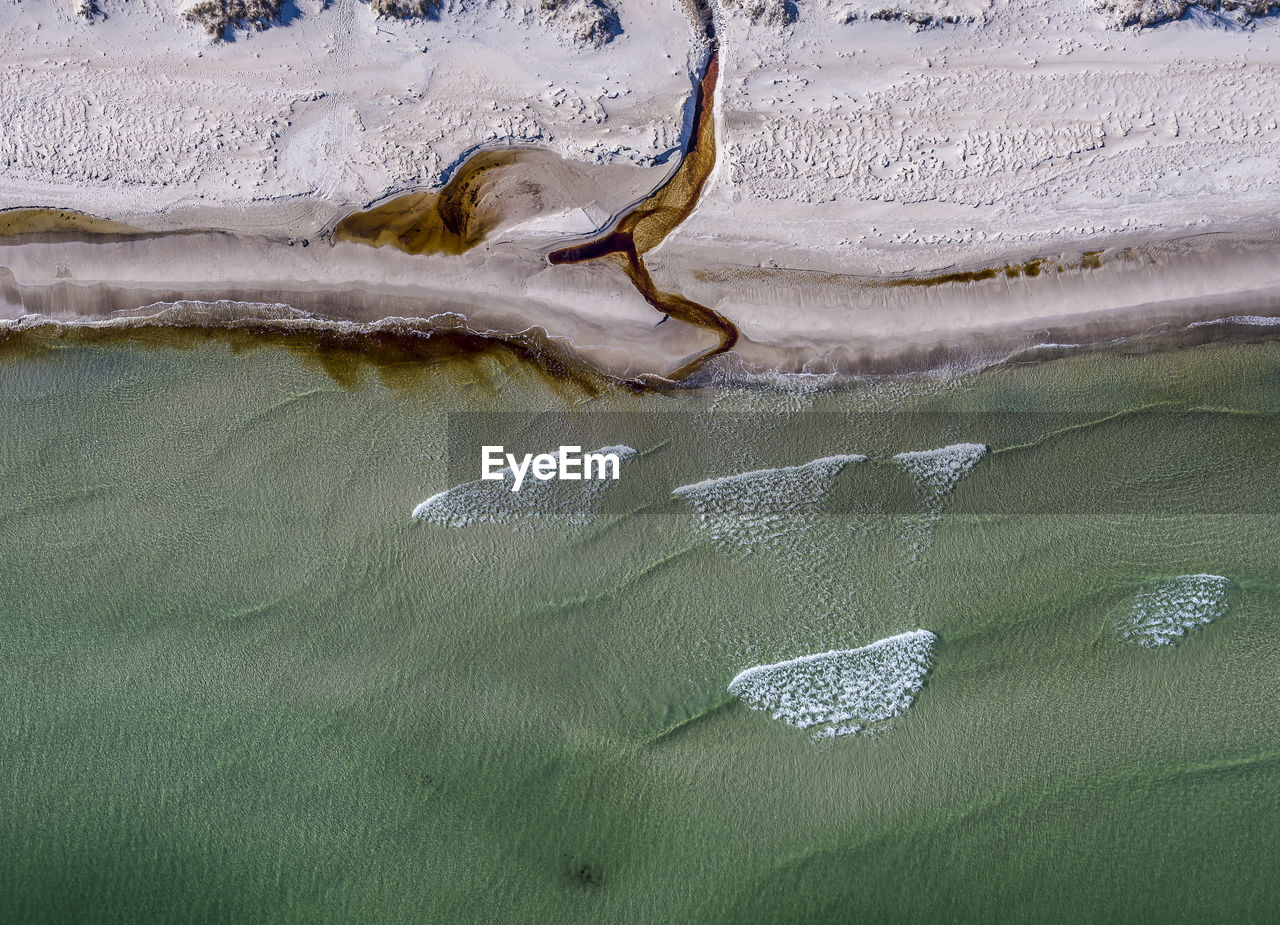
<point x="644" y="227"/>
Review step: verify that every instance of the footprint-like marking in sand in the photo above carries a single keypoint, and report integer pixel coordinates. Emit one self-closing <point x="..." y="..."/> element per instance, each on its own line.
<point x="843" y="692"/>
<point x="1165" y="610"/>
<point x="493" y="501"/>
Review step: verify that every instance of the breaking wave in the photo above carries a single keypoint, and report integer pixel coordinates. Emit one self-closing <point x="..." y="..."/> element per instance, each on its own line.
<point x="937" y="472"/>
<point x="1252" y="321"/>
<point x="779" y="513"/>
<point x="776" y="514"/>
<point x="842" y="692"/>
<point x="493" y="501"/>
<point x="763" y="494"/>
<point x="1165" y="610"/>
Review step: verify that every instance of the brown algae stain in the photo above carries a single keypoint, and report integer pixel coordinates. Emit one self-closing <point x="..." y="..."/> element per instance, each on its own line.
<point x="651" y="221"/>
<point x="53" y="221"/>
<point x="1087" y="260"/>
<point x="449" y="221"/>
<point x="405" y="360"/>
<point x="1030" y="269"/>
<point x="489" y="188"/>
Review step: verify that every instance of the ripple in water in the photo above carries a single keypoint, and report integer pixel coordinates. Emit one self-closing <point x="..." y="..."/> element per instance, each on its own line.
<point x="777" y="516"/>
<point x="937" y="472"/>
<point x="753" y="508"/>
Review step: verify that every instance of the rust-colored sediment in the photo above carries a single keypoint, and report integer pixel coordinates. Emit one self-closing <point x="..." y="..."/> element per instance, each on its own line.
<point x="403" y="357"/>
<point x="451" y="220"/>
<point x="14" y="222"/>
<point x="1088" y="260"/>
<point x="1030" y="269"/>
<point x="461" y="214"/>
<point x="490" y="187"/>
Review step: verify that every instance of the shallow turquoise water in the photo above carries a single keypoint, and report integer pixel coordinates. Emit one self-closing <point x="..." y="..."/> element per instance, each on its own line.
<point x="241" y="681"/>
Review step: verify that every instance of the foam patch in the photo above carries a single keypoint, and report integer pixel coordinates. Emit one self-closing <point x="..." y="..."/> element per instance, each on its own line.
<point x="842" y="692"/>
<point x="752" y="508"/>
<point x="1165" y="610"/>
<point x="937" y="472"/>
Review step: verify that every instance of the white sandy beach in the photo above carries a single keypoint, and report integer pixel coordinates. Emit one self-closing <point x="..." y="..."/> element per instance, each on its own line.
<point x="853" y="150"/>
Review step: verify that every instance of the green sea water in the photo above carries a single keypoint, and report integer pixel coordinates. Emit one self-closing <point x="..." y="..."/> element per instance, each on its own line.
<point x="239" y="681"/>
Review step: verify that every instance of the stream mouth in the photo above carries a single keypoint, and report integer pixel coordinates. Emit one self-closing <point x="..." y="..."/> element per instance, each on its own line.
<point x="460" y="215"/>
<point x="478" y="199"/>
<point x="645" y="227"/>
<point x="391" y="321"/>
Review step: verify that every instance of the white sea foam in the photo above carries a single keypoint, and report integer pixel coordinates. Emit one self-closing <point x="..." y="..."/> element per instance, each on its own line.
<point x="729" y="373"/>
<point x="493" y="501"/>
<point x="765" y="491"/>
<point x="938" y="471"/>
<point x="772" y="510"/>
<point x="834" y="732"/>
<point x="843" y="691"/>
<point x="1164" y="610"/>
<point x="1257" y="321"/>
<point x="776" y="517"/>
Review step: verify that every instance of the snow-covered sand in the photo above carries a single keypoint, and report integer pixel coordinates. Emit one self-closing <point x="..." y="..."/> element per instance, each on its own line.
<point x="136" y="115"/>
<point x="865" y="153"/>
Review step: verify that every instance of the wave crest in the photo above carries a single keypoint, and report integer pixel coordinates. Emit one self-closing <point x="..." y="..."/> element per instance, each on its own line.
<point x="1165" y="610"/>
<point x="844" y="691"/>
<point x="762" y="492"/>
<point x="937" y="472"/>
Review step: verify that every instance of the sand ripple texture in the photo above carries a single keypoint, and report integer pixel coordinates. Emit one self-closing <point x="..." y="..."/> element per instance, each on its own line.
<point x="554" y="501"/>
<point x="135" y="112"/>
<point x="1165" y="610"/>
<point x="843" y="692"/>
<point x="857" y="120"/>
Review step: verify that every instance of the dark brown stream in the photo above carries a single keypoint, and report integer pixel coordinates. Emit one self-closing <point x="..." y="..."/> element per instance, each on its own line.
<point x="644" y="227"/>
<point x="458" y="216"/>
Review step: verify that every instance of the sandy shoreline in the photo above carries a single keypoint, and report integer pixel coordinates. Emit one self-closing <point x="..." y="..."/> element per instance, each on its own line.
<point x="787" y="320"/>
<point x="876" y="198"/>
